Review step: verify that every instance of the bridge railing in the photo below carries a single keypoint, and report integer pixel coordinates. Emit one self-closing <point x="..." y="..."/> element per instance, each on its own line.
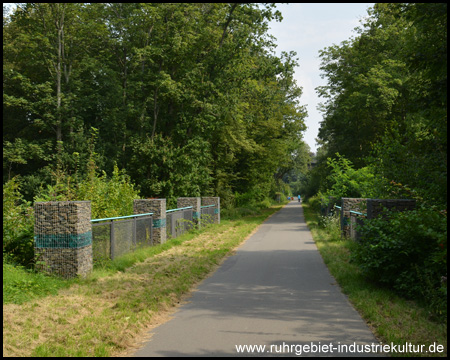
<point x="67" y="241"/>
<point x="352" y="215"/>
<point x="207" y="214"/>
<point x="179" y="221"/>
<point x="116" y="236"/>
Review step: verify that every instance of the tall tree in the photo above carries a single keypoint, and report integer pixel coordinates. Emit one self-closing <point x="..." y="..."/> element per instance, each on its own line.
<point x="188" y="98"/>
<point x="43" y="55"/>
<point x="386" y="96"/>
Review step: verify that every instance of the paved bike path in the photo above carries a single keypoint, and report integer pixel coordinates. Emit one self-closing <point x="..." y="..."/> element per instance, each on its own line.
<point x="276" y="290"/>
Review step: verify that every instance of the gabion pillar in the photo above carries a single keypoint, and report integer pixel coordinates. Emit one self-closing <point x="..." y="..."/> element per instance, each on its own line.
<point x="195" y="202"/>
<point x="63" y="237"/>
<point x="375" y="207"/>
<point x="348" y="204"/>
<point x="213" y="201"/>
<point x="158" y="208"/>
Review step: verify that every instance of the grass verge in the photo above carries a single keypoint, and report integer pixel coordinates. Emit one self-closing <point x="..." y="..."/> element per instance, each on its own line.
<point x="392" y="318"/>
<point x="111" y="311"/>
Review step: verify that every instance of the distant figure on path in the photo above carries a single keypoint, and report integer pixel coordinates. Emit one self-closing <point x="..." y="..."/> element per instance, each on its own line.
<point x="299" y="198"/>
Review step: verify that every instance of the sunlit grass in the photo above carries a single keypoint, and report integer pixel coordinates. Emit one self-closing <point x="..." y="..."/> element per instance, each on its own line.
<point x="107" y="313"/>
<point x="21" y="285"/>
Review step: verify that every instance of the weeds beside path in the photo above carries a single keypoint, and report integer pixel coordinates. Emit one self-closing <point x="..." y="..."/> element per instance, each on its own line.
<point x="107" y="315"/>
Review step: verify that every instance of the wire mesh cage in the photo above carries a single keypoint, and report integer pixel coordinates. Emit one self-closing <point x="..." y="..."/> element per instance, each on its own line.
<point x="63" y="237"/>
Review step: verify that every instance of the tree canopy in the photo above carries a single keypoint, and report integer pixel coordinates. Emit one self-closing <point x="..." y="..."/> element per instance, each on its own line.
<point x="386" y="97"/>
<point x="188" y="98"/>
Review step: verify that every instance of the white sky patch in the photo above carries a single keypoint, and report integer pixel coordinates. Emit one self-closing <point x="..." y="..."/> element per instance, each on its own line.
<point x="306" y="29"/>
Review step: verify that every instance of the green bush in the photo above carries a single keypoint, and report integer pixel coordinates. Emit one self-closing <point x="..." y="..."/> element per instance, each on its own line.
<point x="18" y="225"/>
<point x="264" y="204"/>
<point x="237" y="213"/>
<point x="408" y="252"/>
<point x="315" y="203"/>
<point x="249" y="198"/>
<point x="345" y="181"/>
<point x="331" y="224"/>
<point x="248" y="203"/>
<point x="109" y="196"/>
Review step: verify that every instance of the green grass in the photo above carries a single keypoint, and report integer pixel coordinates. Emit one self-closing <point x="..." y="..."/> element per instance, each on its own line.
<point x="107" y="313"/>
<point x="21" y="285"/>
<point x="392" y="318"/>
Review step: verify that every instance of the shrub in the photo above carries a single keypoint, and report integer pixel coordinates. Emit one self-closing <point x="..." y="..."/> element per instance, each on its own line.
<point x="331" y="224"/>
<point x="407" y="252"/>
<point x="18" y="225"/>
<point x="264" y="204"/>
<point x="249" y="198"/>
<point x="315" y="203"/>
<point x="109" y="196"/>
<point x="345" y="181"/>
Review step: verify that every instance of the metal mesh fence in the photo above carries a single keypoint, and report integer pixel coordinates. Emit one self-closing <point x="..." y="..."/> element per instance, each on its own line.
<point x="101" y="241"/>
<point x="188" y="219"/>
<point x="144" y="231"/>
<point x="179" y="221"/>
<point x="67" y="240"/>
<point x="207" y="214"/>
<point x="115" y="237"/>
<point x="123" y="241"/>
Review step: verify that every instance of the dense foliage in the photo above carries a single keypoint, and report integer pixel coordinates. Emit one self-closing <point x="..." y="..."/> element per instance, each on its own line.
<point x="407" y="253"/>
<point x="18" y="225"/>
<point x="386" y="97"/>
<point x="189" y="99"/>
<point x="345" y="181"/>
<point x="110" y="102"/>
<point x="384" y="135"/>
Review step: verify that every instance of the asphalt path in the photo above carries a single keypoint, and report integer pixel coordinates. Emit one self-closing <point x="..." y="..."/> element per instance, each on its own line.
<point x="276" y="293"/>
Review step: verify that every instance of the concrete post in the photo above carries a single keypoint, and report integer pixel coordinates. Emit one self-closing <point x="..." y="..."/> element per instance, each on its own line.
<point x="63" y="237"/>
<point x="158" y="208"/>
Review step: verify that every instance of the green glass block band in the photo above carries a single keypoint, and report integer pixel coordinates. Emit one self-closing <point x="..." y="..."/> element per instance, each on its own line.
<point x="63" y="241"/>
<point x="159" y="223"/>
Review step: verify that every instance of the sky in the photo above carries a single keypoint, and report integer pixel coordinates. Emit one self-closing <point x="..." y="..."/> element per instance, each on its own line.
<point x="306" y="29"/>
